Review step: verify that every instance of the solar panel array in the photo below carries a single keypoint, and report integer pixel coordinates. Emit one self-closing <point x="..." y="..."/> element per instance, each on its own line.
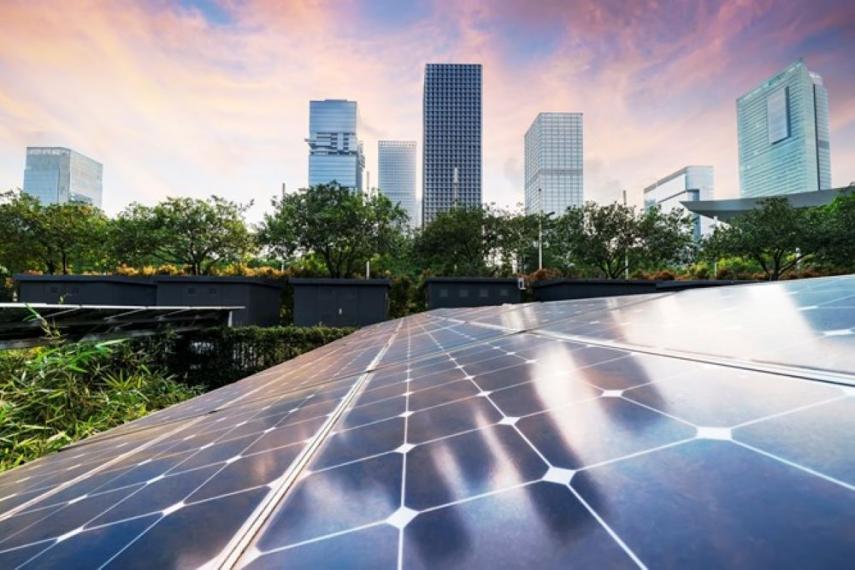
<point x="701" y="428"/>
<point x="20" y="328"/>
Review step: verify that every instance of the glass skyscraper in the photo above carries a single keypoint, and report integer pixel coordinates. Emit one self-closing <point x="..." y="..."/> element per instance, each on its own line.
<point x="451" y="165"/>
<point x="689" y="184"/>
<point x="553" y="163"/>
<point x="57" y="175"/>
<point x="335" y="153"/>
<point x="397" y="165"/>
<point x="783" y="135"/>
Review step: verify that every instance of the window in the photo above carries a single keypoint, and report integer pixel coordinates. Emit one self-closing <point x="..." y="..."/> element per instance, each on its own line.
<point x="463" y="293"/>
<point x="777" y="116"/>
<point x="483" y="293"/>
<point x="443" y="292"/>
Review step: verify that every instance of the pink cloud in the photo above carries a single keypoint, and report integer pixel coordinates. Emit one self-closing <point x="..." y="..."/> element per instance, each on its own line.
<point x="174" y="104"/>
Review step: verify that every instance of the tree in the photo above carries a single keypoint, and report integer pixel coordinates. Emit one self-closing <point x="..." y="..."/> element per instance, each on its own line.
<point x="615" y="238"/>
<point x="459" y="242"/>
<point x="516" y="240"/>
<point x="50" y="238"/>
<point x="342" y="227"/>
<point x="188" y="232"/>
<point x="775" y="235"/>
<point x="838" y="231"/>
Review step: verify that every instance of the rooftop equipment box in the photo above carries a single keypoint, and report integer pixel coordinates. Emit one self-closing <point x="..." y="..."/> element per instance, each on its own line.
<point x="445" y="292"/>
<point x="340" y="302"/>
<point x="86" y="290"/>
<point x="261" y="299"/>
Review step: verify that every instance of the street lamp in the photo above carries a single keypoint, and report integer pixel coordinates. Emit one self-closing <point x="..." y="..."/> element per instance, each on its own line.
<point x="540" y="228"/>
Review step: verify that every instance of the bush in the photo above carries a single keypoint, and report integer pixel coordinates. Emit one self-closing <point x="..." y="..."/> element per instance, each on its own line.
<point x="218" y="356"/>
<point x="53" y="396"/>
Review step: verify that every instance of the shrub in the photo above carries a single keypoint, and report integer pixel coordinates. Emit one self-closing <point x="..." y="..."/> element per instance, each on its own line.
<point x="218" y="356"/>
<point x="53" y="396"/>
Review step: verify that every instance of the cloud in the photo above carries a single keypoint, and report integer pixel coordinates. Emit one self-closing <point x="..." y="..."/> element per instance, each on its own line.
<point x="212" y="97"/>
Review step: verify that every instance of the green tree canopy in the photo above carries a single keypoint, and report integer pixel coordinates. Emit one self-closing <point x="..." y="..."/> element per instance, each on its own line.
<point x="775" y="235"/>
<point x="188" y="232"/>
<point x="52" y="238"/>
<point x="609" y="238"/>
<point x="342" y="227"/>
<point x="458" y="242"/>
<point x="838" y="232"/>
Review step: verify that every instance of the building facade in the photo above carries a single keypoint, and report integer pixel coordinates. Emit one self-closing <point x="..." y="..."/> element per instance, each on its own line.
<point x="689" y="184"/>
<point x="335" y="153"/>
<point x="784" y="135"/>
<point x="451" y="160"/>
<point x="554" y="177"/>
<point x="397" y="166"/>
<point x="57" y="175"/>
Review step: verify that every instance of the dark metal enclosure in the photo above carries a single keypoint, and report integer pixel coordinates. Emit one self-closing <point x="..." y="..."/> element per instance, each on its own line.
<point x="471" y="291"/>
<point x="261" y="299"/>
<point x="86" y="290"/>
<point x="340" y="302"/>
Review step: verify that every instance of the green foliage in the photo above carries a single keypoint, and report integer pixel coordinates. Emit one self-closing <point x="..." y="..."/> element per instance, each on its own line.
<point x="52" y="238"/>
<point x="609" y="238"/>
<point x="218" y="356"/>
<point x="458" y="242"/>
<point x="197" y="234"/>
<point x="53" y="396"/>
<point x="838" y="232"/>
<point x="775" y="235"/>
<point x="342" y="228"/>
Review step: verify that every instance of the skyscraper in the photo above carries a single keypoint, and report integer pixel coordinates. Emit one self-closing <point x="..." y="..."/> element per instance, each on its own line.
<point x="783" y="135"/>
<point x="553" y="163"/>
<point x="335" y="153"/>
<point x="451" y="166"/>
<point x="397" y="165"/>
<point x="56" y="175"/>
<point x="689" y="184"/>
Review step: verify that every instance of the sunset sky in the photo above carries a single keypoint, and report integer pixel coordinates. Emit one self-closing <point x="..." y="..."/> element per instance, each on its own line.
<point x="206" y="97"/>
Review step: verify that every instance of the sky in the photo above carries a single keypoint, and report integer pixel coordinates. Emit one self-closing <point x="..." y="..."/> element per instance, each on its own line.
<point x="201" y="97"/>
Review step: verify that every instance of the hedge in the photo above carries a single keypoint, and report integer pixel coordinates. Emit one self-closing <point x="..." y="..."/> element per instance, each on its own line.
<point x="215" y="357"/>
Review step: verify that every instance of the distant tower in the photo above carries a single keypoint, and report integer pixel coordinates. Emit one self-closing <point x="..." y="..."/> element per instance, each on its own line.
<point x="56" y="175"/>
<point x="452" y="137"/>
<point x="783" y="135"/>
<point x="335" y="153"/>
<point x="397" y="162"/>
<point x="554" y="163"/>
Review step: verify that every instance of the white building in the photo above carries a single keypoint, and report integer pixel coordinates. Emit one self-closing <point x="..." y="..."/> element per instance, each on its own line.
<point x="689" y="184"/>
<point x="397" y="166"/>
<point x="554" y="178"/>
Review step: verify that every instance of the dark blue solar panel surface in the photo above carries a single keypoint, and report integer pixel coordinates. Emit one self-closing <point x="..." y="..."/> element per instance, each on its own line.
<point x="647" y="431"/>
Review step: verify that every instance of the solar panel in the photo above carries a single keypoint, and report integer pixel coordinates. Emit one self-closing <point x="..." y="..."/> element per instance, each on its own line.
<point x="19" y="328"/>
<point x="539" y="435"/>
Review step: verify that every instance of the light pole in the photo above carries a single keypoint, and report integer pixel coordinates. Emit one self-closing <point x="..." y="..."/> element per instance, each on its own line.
<point x="625" y="253"/>
<point x="540" y="229"/>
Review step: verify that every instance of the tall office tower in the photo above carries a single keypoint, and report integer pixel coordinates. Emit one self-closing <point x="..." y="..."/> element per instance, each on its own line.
<point x="689" y="184"/>
<point x="56" y="175"/>
<point x="451" y="165"/>
<point x="783" y="135"/>
<point x="335" y="153"/>
<point x="397" y="162"/>
<point x="553" y="163"/>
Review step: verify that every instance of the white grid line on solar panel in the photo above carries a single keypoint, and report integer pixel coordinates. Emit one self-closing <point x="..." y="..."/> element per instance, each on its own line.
<point x="698" y="433"/>
<point x="181" y="463"/>
<point x="235" y="548"/>
<point x="236" y="393"/>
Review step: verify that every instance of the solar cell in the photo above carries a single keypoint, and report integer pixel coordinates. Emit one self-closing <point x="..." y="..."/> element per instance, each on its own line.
<point x="593" y="433"/>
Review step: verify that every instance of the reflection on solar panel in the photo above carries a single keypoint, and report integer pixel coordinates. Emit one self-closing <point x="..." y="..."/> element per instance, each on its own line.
<point x="19" y="326"/>
<point x="701" y="428"/>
